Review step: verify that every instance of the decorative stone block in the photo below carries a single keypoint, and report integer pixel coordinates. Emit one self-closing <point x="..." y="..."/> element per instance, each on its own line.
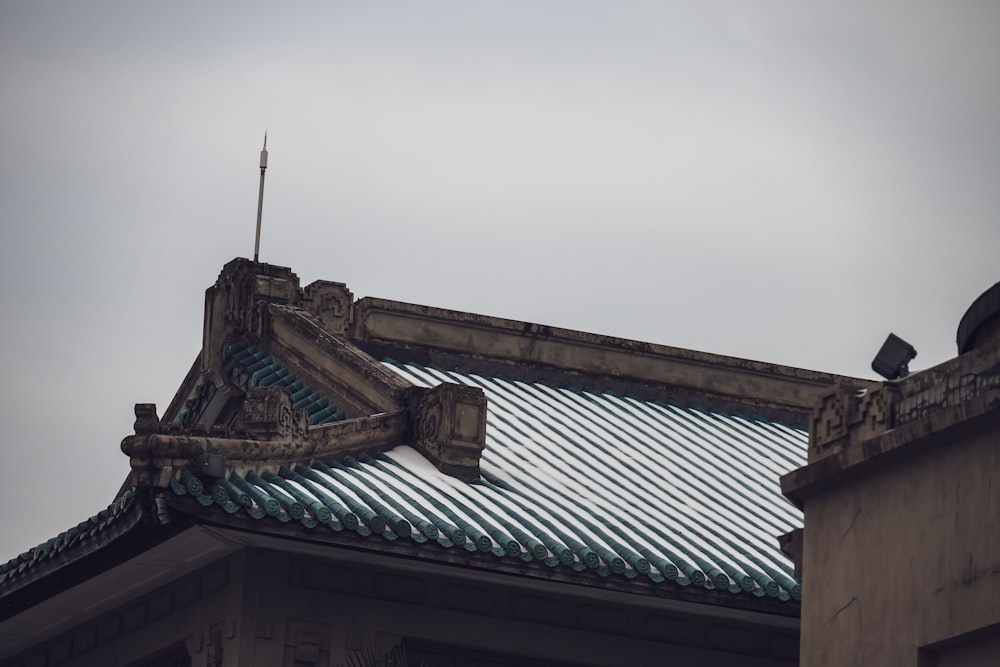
<point x="875" y="413"/>
<point x="268" y="414"/>
<point x="829" y="421"/>
<point x="449" y="427"/>
<point x="236" y="306"/>
<point x="850" y="415"/>
<point x="332" y="303"/>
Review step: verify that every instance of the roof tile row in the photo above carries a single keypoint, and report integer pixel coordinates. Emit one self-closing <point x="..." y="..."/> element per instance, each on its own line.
<point x="249" y="367"/>
<point x="575" y="479"/>
<point x="75" y="536"/>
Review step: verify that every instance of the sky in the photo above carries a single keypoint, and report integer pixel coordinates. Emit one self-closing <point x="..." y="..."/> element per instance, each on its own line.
<point x="776" y="180"/>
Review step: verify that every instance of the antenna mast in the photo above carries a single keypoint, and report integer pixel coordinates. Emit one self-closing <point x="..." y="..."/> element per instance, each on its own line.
<point x="260" y="198"/>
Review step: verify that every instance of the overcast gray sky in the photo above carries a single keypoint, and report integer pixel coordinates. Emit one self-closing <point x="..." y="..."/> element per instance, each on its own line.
<point x="784" y="181"/>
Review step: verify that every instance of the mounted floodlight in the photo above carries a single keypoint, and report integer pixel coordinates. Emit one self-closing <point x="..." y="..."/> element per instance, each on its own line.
<point x="892" y="360"/>
<point x="210" y="465"/>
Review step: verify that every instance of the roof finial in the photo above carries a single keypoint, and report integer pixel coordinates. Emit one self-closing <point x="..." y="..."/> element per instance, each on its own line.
<point x="260" y="197"/>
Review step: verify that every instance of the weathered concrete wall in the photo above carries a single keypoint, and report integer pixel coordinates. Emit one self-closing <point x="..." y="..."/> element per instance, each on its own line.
<point x="903" y="558"/>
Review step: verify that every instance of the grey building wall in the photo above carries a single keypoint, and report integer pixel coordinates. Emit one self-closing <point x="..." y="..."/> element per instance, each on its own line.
<point x="904" y="559"/>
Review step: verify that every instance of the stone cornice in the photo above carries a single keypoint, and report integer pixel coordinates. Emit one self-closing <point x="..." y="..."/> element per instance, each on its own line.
<point x="854" y="432"/>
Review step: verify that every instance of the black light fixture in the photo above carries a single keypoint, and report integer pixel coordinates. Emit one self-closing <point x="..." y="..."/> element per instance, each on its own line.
<point x="892" y="360"/>
<point x="210" y="465"/>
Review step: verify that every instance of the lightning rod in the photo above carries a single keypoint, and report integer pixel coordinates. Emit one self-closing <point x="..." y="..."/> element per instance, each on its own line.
<point x="260" y="198"/>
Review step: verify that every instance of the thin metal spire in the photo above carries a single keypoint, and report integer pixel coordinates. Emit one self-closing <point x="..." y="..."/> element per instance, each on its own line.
<point x="260" y="198"/>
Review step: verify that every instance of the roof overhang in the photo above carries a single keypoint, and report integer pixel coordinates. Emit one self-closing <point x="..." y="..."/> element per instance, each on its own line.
<point x="508" y="580"/>
<point x="53" y="607"/>
<point x="197" y="546"/>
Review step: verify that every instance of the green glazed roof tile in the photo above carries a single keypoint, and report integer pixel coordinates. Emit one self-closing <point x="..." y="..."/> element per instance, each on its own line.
<point x="248" y="367"/>
<point x="597" y="483"/>
<point x="78" y="534"/>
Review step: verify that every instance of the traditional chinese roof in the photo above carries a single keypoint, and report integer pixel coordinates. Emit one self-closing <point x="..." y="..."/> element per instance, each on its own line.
<point x="458" y="438"/>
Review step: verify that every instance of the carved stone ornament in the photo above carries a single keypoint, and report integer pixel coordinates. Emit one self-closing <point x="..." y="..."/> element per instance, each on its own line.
<point x="876" y="411"/>
<point x="268" y="414"/>
<point x="829" y="423"/>
<point x="851" y="415"/>
<point x="237" y="304"/>
<point x="428" y="423"/>
<point x="332" y="303"/>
